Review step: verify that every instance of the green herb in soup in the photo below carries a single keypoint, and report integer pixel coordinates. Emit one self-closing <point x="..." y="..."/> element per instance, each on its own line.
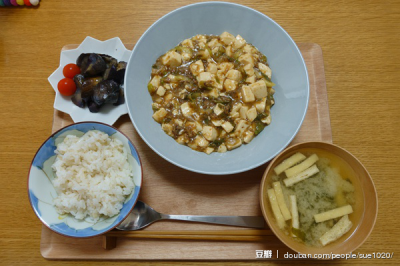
<point x="212" y="93"/>
<point x="312" y="198"/>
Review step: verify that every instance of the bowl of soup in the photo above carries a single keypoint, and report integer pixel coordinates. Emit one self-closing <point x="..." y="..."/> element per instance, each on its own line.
<point x="314" y="195"/>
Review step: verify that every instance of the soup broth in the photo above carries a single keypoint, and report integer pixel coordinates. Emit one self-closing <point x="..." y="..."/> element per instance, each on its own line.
<point x="335" y="185"/>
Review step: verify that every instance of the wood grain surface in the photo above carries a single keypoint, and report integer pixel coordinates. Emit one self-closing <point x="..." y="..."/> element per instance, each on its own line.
<point x="196" y="194"/>
<point x="361" y="47"/>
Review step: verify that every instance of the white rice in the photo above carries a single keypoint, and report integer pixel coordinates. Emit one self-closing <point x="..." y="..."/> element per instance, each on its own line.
<point x="93" y="176"/>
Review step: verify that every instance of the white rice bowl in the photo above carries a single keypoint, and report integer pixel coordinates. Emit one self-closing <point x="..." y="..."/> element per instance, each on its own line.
<point x="93" y="176"/>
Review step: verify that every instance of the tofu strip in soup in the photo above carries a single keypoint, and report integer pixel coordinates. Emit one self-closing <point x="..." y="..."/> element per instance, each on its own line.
<point x="212" y="93"/>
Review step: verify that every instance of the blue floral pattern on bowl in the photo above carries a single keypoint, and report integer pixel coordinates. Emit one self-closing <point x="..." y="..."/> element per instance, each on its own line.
<point x="41" y="190"/>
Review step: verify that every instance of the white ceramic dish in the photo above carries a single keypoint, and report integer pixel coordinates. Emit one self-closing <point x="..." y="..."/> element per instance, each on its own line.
<point x="289" y="73"/>
<point x="108" y="113"/>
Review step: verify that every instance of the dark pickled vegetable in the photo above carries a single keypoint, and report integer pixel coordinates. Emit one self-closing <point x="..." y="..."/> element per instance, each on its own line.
<point x="106" y="91"/>
<point x="100" y="81"/>
<point x="121" y="98"/>
<point x="93" y="107"/>
<point x="77" y="98"/>
<point x="110" y="61"/>
<point x="79" y="79"/>
<point x="120" y="75"/>
<point x="88" y="86"/>
<point x="82" y="59"/>
<point x="110" y="73"/>
<point x="92" y="65"/>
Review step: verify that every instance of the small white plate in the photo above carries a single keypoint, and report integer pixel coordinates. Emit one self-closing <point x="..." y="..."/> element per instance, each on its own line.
<point x="108" y="114"/>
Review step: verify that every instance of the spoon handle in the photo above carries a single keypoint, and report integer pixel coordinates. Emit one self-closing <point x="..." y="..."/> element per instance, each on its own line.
<point x="243" y="221"/>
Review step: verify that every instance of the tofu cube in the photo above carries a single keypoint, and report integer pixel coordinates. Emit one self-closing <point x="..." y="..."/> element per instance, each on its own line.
<point x="159" y="115"/>
<point x="266" y="120"/>
<point x="225" y="66"/>
<point x="236" y="108"/>
<point x="230" y="85"/>
<point x="227" y="126"/>
<point x="212" y="68"/>
<point x="233" y="143"/>
<point x="204" y="77"/>
<point x="234" y="75"/>
<point x="209" y="150"/>
<point x="213" y="43"/>
<point x="200" y="38"/>
<point x="179" y="122"/>
<point x="260" y="105"/>
<point x="251" y="114"/>
<point x="251" y="79"/>
<point x="204" y="54"/>
<point x="161" y="91"/>
<point x="188" y="43"/>
<point x="239" y="42"/>
<point x="222" y="148"/>
<point x="248" y="136"/>
<point x="249" y="70"/>
<point x="218" y="109"/>
<point x="200" y="141"/>
<point x="210" y="133"/>
<point x="186" y="56"/>
<point x="265" y="69"/>
<point x="168" y="97"/>
<point x="241" y="127"/>
<point x="249" y="49"/>
<point x="217" y="123"/>
<point x="221" y="76"/>
<point x="172" y="59"/>
<point x="259" y="89"/>
<point x="246" y="59"/>
<point x="197" y="67"/>
<point x="155" y="81"/>
<point x="182" y="139"/>
<point x="247" y="94"/>
<point x="235" y="115"/>
<point x="243" y="112"/>
<point x="186" y="110"/>
<point x="213" y="93"/>
<point x="199" y="127"/>
<point x="227" y="38"/>
<point x="228" y="50"/>
<point x="167" y="128"/>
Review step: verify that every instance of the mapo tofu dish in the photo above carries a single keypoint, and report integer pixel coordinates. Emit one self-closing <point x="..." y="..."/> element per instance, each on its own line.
<point x="212" y="93"/>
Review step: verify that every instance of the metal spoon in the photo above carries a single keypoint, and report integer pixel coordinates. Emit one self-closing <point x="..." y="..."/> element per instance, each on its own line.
<point x="143" y="215"/>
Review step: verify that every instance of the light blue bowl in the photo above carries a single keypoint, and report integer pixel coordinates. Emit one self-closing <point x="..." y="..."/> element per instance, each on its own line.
<point x="41" y="191"/>
<point x="289" y="73"/>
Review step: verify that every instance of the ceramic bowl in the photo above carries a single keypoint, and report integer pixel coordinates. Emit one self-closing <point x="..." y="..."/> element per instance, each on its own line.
<point x="108" y="113"/>
<point x="41" y="191"/>
<point x="365" y="209"/>
<point x="288" y="72"/>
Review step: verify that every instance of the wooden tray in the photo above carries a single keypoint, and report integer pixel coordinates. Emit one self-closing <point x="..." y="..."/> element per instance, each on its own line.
<point x="172" y="190"/>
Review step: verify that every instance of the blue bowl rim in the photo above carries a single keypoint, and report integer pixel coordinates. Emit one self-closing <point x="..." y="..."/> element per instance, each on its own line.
<point x="52" y="135"/>
<point x="222" y="172"/>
